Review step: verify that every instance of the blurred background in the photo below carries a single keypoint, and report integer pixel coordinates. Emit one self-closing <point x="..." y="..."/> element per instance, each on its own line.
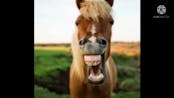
<point x="54" y="22"/>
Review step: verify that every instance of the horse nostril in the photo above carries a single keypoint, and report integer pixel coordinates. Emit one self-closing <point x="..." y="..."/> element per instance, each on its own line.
<point x="83" y="41"/>
<point x="102" y="42"/>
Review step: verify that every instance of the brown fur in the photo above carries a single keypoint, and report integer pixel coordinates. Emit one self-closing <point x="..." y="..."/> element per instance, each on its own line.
<point x="79" y="88"/>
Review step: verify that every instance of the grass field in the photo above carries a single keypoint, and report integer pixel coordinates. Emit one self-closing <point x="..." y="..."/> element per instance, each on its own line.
<point x="51" y="67"/>
<point x="45" y="93"/>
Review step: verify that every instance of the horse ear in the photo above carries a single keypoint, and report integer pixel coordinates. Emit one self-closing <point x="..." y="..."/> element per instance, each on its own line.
<point x="78" y="3"/>
<point x="110" y="2"/>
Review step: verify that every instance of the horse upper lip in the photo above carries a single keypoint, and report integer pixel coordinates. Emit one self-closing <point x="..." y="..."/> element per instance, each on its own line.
<point x="92" y="60"/>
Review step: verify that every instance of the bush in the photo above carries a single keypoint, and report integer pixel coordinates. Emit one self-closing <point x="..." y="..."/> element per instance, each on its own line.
<point x="49" y="63"/>
<point x="129" y="85"/>
<point x="124" y="60"/>
<point x="128" y="78"/>
<point x="50" y="67"/>
<point x="40" y="92"/>
<point x="127" y="72"/>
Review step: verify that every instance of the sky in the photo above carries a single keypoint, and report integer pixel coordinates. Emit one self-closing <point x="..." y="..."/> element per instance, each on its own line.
<point x="54" y="20"/>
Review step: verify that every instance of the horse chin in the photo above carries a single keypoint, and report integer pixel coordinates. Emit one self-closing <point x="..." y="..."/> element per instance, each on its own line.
<point x="95" y="68"/>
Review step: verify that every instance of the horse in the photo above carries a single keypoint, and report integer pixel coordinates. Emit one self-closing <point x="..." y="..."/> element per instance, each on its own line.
<point x="93" y="73"/>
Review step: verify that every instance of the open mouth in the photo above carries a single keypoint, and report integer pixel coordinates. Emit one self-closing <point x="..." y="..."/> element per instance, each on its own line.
<point x="95" y="70"/>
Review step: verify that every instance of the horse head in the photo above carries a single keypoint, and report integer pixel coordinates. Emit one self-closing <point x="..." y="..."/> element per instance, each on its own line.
<point x="94" y="32"/>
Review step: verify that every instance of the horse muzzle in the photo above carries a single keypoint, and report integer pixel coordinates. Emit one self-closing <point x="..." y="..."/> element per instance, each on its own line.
<point x="93" y="54"/>
<point x="95" y="68"/>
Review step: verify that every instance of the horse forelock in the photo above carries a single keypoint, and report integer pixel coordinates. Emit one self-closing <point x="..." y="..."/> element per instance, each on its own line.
<point x="95" y="10"/>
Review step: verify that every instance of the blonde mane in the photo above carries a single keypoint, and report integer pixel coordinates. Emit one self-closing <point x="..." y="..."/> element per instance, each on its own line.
<point x="78" y="62"/>
<point x="95" y="10"/>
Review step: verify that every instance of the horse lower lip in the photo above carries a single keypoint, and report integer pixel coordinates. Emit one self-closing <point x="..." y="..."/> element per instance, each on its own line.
<point x="96" y="78"/>
<point x="95" y="74"/>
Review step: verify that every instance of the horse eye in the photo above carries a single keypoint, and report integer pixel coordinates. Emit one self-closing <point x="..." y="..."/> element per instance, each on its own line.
<point x="76" y="23"/>
<point x="112" y="22"/>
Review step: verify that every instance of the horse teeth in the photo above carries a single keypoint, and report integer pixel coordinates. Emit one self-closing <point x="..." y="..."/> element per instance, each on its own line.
<point x="98" y="62"/>
<point x="92" y="63"/>
<point x="89" y="63"/>
<point x="95" y="63"/>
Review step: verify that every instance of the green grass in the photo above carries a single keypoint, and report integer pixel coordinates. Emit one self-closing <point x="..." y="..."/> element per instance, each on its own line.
<point x="40" y="92"/>
<point x="45" y="60"/>
<point x="126" y="95"/>
<point x="48" y="63"/>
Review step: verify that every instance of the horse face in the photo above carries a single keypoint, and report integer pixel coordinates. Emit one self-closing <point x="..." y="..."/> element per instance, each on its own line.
<point x="94" y="43"/>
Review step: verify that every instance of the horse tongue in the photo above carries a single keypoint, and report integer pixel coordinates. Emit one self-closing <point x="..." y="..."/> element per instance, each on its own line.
<point x="92" y="57"/>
